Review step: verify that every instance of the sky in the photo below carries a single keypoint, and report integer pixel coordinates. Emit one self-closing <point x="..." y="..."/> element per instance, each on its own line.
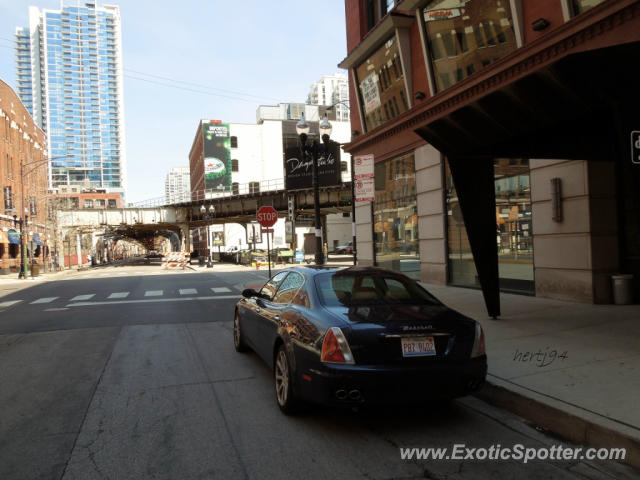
<point x="202" y="59"/>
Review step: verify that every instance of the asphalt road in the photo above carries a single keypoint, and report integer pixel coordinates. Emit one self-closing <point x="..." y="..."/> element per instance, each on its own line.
<point x="134" y="376"/>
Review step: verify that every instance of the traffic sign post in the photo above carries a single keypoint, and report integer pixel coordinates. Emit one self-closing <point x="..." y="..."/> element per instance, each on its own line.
<point x="267" y="217"/>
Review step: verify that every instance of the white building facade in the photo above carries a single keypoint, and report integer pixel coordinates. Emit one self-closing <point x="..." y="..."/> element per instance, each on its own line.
<point x="177" y="187"/>
<point x="257" y="160"/>
<point x="331" y="90"/>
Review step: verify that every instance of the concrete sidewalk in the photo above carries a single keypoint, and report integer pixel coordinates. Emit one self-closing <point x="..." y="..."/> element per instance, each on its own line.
<point x="571" y="368"/>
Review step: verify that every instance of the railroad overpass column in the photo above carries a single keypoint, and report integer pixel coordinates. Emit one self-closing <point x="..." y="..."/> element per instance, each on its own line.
<point x="79" y="248"/>
<point x="185" y="238"/>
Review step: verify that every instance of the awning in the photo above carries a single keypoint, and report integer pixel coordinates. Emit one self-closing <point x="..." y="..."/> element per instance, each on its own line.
<point x="36" y="239"/>
<point x="14" y="237"/>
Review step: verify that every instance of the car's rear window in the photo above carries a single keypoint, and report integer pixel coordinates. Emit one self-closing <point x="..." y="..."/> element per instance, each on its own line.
<point x="346" y="289"/>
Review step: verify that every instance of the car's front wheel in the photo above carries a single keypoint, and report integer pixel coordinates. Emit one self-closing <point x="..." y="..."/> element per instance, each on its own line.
<point x="238" y="341"/>
<point x="282" y="377"/>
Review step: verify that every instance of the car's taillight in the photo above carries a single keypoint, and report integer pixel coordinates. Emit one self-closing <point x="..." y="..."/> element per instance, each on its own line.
<point x="335" y="348"/>
<point x="478" y="343"/>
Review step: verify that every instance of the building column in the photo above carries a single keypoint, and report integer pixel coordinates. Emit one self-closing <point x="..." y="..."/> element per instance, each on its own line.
<point x="474" y="181"/>
<point x="431" y="215"/>
<point x="364" y="233"/>
<point x="185" y="237"/>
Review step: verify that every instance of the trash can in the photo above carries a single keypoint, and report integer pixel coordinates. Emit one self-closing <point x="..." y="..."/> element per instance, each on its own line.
<point x="35" y="270"/>
<point x="622" y="291"/>
<point x="201" y="261"/>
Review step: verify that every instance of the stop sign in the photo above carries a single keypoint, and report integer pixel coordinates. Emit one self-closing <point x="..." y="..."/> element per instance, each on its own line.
<point x="267" y="216"/>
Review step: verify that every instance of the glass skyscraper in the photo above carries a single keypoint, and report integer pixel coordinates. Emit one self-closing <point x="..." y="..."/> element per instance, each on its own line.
<point x="69" y="76"/>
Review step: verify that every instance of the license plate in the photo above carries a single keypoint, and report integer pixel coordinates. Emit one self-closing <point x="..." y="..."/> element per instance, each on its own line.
<point x="418" y="346"/>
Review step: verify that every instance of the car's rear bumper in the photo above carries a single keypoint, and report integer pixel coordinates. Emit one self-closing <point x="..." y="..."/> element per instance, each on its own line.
<point x="391" y="384"/>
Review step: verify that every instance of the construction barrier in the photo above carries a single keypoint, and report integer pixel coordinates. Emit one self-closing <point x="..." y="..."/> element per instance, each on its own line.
<point x="173" y="260"/>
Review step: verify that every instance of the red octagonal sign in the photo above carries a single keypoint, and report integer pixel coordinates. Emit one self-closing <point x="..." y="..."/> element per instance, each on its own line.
<point x="267" y="216"/>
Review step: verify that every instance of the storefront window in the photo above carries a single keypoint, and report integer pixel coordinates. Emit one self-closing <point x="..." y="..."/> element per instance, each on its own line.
<point x="580" y="6"/>
<point x="381" y="82"/>
<point x="466" y="36"/>
<point x="395" y="216"/>
<point x="514" y="234"/>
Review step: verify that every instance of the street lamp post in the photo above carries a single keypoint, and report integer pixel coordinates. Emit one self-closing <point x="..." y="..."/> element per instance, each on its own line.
<point x="22" y="223"/>
<point x="302" y="128"/>
<point x="353" y="195"/>
<point x="209" y="217"/>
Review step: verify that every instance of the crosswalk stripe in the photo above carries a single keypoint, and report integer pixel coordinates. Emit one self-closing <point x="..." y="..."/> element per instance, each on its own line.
<point x="150" y="300"/>
<point x="119" y="295"/>
<point x="188" y="291"/>
<point x="8" y="303"/>
<point x="44" y="300"/>
<point x="153" y="293"/>
<point x="220" y="289"/>
<point x="83" y="297"/>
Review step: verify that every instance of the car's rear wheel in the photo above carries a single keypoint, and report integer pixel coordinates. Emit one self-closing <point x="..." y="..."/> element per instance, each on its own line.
<point x="238" y="340"/>
<point x="282" y="378"/>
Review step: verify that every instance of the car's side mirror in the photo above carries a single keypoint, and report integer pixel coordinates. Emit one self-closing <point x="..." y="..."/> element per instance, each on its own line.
<point x="249" y="292"/>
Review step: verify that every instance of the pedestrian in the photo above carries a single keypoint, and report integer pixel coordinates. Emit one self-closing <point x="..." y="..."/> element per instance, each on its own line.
<point x="89" y="258"/>
<point x="325" y="250"/>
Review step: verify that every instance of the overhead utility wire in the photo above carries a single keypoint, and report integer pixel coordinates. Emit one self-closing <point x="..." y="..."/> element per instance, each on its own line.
<point x="180" y="82"/>
<point x="178" y="87"/>
<point x="199" y="85"/>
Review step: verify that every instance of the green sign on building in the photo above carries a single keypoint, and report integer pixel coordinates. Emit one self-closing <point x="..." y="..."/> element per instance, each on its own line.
<point x="217" y="156"/>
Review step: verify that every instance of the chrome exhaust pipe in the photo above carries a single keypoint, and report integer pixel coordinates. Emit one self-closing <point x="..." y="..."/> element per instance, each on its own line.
<point x="355" y="395"/>
<point x="341" y="394"/>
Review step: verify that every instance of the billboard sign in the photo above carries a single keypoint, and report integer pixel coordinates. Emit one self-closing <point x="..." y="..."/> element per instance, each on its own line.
<point x="298" y="171"/>
<point x="217" y="156"/>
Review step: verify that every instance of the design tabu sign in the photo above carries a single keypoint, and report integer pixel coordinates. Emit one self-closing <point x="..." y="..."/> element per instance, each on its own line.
<point x="298" y="171"/>
<point x="217" y="156"/>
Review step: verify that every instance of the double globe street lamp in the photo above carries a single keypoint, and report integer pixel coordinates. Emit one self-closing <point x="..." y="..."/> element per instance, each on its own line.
<point x="209" y="217"/>
<point x="302" y="128"/>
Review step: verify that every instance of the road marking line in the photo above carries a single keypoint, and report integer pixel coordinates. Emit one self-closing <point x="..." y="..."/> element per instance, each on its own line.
<point x="187" y="299"/>
<point x="153" y="293"/>
<point x="119" y="295"/>
<point x="9" y="303"/>
<point x="55" y="309"/>
<point x="220" y="289"/>
<point x="82" y="297"/>
<point x="188" y="291"/>
<point x="44" y="300"/>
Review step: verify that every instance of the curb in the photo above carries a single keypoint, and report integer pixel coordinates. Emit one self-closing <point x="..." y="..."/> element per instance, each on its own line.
<point x="561" y="423"/>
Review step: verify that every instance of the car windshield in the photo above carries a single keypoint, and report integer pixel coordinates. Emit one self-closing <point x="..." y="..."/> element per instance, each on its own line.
<point x="337" y="289"/>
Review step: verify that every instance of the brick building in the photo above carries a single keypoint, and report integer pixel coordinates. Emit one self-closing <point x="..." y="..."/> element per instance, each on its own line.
<point x="24" y="179"/>
<point x="74" y="197"/>
<point x="505" y="135"/>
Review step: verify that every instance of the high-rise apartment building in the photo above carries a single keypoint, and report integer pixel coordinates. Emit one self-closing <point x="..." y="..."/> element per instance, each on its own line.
<point x="331" y="90"/>
<point x="177" y="186"/>
<point x="69" y="77"/>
